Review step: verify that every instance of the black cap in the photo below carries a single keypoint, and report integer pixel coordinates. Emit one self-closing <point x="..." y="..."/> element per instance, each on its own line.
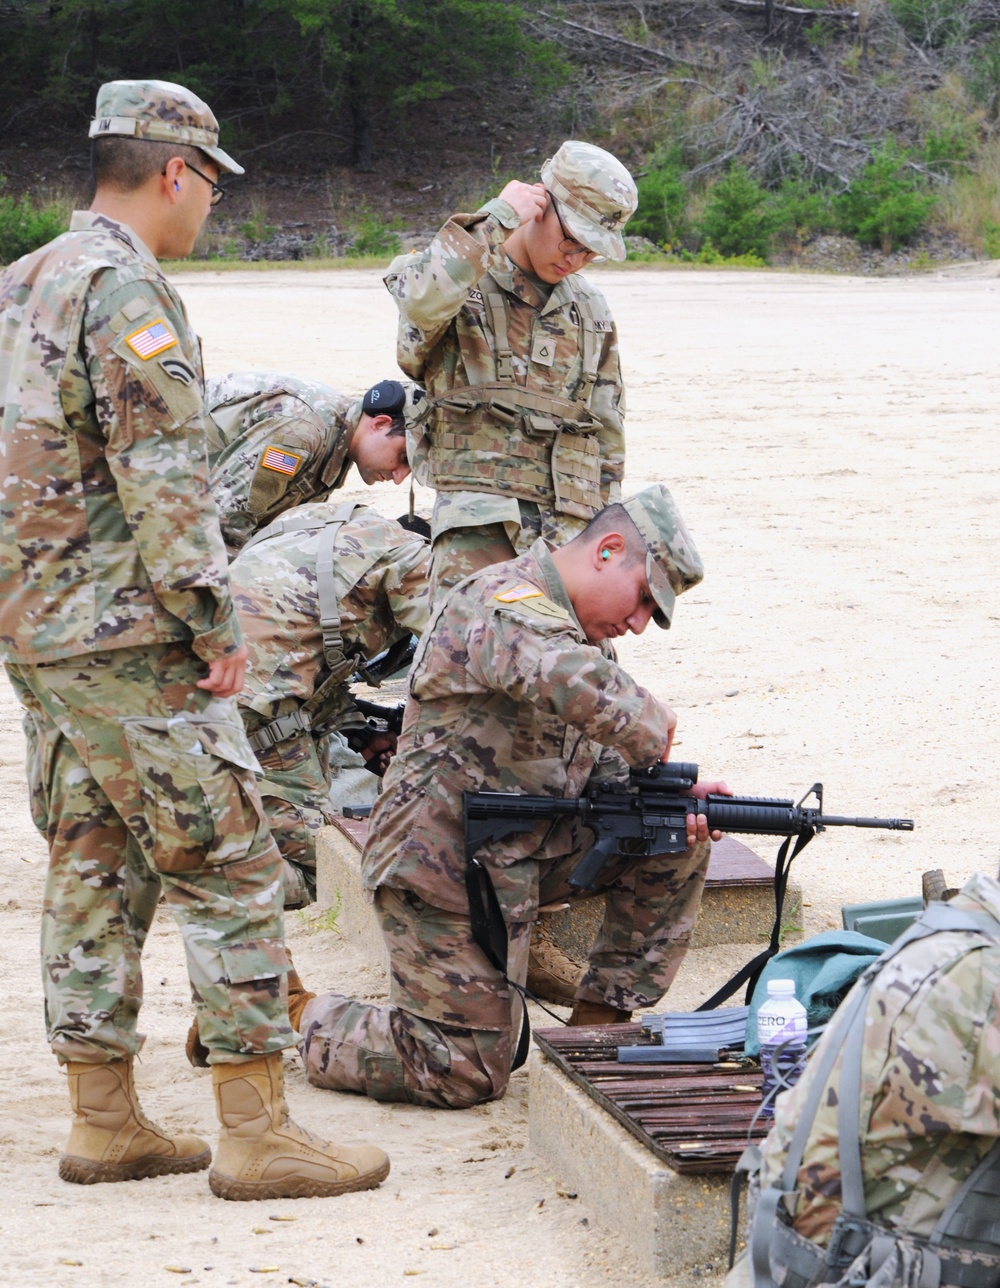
<point x="387" y="398"/>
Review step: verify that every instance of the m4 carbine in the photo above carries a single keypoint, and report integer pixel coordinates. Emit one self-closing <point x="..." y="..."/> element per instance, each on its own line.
<point x="648" y="816"/>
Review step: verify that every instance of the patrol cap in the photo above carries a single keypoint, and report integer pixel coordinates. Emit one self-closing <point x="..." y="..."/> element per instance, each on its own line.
<point x="596" y="195"/>
<point x="673" y="565"/>
<point x="387" y="398"/>
<point x="159" y="110"/>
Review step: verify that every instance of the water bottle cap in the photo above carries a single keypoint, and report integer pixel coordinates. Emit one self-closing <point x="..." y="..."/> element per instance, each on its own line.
<point x="781" y="988"/>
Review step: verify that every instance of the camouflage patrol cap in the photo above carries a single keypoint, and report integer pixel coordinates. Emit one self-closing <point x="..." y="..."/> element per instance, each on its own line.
<point x="673" y="565"/>
<point x="596" y="195"/>
<point x="162" y="111"/>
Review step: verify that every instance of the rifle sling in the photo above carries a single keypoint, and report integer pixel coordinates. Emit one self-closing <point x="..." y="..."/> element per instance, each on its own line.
<point x="750" y="973"/>
<point x="489" y="930"/>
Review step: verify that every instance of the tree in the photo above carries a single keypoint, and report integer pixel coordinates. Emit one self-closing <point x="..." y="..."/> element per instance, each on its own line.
<point x="386" y="56"/>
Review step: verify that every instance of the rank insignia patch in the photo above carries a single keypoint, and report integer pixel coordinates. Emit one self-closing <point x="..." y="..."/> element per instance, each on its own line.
<point x="151" y="339"/>
<point x="276" y="458"/>
<point x="516" y="593"/>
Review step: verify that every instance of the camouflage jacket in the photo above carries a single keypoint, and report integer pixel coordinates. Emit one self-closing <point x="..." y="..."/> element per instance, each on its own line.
<point x="109" y="537"/>
<point x="505" y="695"/>
<point x="380" y="571"/>
<point x="929" y="1094"/>
<point x="274" y="441"/>
<point x="446" y="341"/>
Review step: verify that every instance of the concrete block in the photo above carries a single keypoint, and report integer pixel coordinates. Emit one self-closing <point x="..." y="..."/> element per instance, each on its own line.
<point x="338" y="885"/>
<point x="737" y="907"/>
<point x="676" y="1224"/>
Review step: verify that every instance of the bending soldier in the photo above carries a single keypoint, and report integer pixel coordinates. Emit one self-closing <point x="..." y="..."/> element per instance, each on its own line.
<point x="883" y="1164"/>
<point x="318" y="593"/>
<point x="118" y="633"/>
<point x="277" y="441"/>
<point x="515" y="687"/>
<point x="522" y="434"/>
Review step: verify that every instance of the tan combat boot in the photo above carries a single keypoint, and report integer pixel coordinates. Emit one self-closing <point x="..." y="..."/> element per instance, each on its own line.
<point x="112" y="1139"/>
<point x="298" y="996"/>
<point x="552" y="975"/>
<point x="594" y="1013"/>
<point x="262" y="1154"/>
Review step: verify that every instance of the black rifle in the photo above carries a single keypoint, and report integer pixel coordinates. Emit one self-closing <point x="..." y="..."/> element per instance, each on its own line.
<point x="648" y="815"/>
<point x="381" y="719"/>
<point x="378" y="719"/>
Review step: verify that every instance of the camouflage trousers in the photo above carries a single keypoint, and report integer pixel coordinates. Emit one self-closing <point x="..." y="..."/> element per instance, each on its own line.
<point x="306" y="780"/>
<point x="462" y="550"/>
<point x="447" y="1037"/>
<point x="143" y="784"/>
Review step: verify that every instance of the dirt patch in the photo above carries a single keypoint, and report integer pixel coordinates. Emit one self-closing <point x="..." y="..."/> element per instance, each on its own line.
<point x="831" y="442"/>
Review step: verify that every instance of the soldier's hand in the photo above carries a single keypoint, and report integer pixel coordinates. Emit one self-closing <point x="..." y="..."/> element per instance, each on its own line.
<point x="378" y="751"/>
<point x="528" y="199"/>
<point x="697" y="824"/>
<point x="225" y="674"/>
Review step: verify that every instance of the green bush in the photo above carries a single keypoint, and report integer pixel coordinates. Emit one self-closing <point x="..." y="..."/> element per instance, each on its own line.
<point x="935" y="23"/>
<point x="373" y="237"/>
<point x="984" y="77"/>
<point x="798" y="211"/>
<point x="888" y="203"/>
<point x="660" y="214"/>
<point x="24" y="227"/>
<point x="738" y="218"/>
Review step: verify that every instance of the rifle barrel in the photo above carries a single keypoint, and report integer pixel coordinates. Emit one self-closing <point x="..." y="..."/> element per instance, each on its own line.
<point x="892" y="824"/>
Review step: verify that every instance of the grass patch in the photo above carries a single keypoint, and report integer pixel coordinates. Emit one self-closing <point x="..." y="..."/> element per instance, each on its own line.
<point x="269" y="265"/>
<point x="325" y="920"/>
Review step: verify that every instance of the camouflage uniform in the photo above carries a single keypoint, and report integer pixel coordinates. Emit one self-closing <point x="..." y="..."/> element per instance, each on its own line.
<point x="524" y="431"/>
<point x="114" y="597"/>
<point x="929" y="1107"/>
<point x="309" y="425"/>
<point x="505" y="694"/>
<point x="380" y="581"/>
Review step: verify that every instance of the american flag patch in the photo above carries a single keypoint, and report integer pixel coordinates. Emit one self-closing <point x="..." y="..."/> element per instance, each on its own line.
<point x="276" y="458"/>
<point x="151" y="339"/>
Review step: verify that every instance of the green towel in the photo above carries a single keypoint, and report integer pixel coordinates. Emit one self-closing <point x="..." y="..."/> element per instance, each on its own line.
<point x="823" y="968"/>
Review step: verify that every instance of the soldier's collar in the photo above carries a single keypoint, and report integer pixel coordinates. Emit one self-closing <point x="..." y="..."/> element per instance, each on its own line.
<point x="82" y="219"/>
<point x="554" y="587"/>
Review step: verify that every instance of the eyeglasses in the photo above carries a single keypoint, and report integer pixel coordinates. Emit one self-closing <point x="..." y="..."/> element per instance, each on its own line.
<point x="569" y="246"/>
<point x="217" y="192"/>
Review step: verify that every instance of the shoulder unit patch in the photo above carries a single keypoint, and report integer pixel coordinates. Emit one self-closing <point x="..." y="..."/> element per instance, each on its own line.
<point x="516" y="593"/>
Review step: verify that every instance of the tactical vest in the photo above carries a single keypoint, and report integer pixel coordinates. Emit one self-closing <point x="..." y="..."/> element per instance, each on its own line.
<point x="962" y="1251"/>
<point x="500" y="436"/>
<point x="312" y="714"/>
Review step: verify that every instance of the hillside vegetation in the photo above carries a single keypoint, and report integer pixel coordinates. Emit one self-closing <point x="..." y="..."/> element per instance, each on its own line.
<point x="754" y="127"/>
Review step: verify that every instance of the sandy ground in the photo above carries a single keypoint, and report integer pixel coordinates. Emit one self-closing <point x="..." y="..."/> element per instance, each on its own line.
<point x="832" y="444"/>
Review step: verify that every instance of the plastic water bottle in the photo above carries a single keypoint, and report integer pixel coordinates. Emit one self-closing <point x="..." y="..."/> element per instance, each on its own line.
<point x="781" y="1027"/>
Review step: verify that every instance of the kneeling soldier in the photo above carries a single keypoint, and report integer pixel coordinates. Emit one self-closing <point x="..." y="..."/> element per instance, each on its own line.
<point x="514" y="687"/>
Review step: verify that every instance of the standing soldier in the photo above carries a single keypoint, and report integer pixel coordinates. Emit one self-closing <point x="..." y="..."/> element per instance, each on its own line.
<point x="119" y="636"/>
<point x="523" y="434"/>
<point x="277" y="441"/>
<point x="523" y="429"/>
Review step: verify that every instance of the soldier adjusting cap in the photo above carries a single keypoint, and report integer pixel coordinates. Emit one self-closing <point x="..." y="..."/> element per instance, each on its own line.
<point x="596" y="195"/>
<point x="159" y="110"/>
<point x="673" y="565"/>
